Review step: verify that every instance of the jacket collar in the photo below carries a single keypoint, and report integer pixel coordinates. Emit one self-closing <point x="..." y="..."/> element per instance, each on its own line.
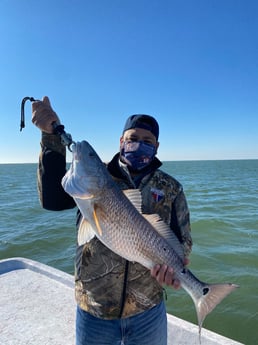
<point x="119" y="170"/>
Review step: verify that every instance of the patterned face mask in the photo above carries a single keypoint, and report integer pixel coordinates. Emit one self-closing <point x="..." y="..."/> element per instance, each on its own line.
<point x="137" y="154"/>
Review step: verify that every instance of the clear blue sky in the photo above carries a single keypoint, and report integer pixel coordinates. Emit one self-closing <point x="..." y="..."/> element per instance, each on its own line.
<point x="192" y="64"/>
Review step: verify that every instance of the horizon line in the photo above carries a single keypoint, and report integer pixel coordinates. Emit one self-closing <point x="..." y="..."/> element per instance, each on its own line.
<point x="163" y="161"/>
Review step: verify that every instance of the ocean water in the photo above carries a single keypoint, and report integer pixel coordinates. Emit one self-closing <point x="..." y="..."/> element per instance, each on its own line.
<point x="223" y="199"/>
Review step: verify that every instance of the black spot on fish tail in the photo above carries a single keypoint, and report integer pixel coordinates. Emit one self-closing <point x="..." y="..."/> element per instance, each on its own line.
<point x="205" y="291"/>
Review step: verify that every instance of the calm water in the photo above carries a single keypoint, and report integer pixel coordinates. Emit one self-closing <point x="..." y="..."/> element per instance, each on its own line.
<point x="223" y="199"/>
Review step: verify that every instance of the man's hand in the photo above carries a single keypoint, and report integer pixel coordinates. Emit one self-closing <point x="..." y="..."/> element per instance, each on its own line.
<point x="43" y="115"/>
<point x="165" y="275"/>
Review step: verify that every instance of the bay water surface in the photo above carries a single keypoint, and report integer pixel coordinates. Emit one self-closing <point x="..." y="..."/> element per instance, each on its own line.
<point x="222" y="198"/>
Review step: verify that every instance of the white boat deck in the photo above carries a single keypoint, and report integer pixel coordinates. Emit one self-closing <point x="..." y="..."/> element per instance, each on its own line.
<point x="37" y="307"/>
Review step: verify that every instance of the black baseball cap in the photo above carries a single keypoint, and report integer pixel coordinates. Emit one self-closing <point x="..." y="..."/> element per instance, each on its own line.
<point x="143" y="121"/>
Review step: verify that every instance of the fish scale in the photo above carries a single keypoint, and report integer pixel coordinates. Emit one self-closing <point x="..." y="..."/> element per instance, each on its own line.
<point x="137" y="239"/>
<point x="116" y="220"/>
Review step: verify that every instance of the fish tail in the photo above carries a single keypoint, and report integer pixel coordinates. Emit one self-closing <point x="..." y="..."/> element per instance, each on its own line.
<point x="212" y="295"/>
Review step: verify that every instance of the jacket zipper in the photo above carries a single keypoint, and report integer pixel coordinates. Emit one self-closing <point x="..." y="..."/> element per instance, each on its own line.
<point x="123" y="297"/>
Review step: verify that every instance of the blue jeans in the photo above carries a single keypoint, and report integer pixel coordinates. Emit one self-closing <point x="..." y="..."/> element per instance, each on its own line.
<point x="147" y="328"/>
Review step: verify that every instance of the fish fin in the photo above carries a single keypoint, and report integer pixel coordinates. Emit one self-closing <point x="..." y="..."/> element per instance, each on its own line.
<point x="212" y="295"/>
<point x="135" y="197"/>
<point x="166" y="232"/>
<point x="96" y="220"/>
<point x="85" y="232"/>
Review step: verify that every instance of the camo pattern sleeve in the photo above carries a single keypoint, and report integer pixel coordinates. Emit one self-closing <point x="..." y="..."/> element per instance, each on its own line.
<point x="53" y="143"/>
<point x="51" y="169"/>
<point x="180" y="222"/>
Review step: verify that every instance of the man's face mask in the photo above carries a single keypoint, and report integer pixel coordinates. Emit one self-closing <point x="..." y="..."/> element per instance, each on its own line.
<point x="137" y="154"/>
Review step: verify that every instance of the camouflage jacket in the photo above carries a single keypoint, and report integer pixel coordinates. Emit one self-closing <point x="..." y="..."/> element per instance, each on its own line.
<point x="106" y="285"/>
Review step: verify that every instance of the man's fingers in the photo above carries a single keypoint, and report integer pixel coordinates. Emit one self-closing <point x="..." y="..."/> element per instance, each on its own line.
<point x="43" y="115"/>
<point x="165" y="275"/>
<point x="46" y="101"/>
<point x="161" y="276"/>
<point x="155" y="270"/>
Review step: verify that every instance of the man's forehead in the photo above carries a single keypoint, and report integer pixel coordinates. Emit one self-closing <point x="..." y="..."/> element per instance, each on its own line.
<point x="139" y="132"/>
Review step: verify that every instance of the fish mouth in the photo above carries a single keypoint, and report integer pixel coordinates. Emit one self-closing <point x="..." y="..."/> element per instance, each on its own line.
<point x="83" y="152"/>
<point x="82" y="180"/>
<point x="77" y="153"/>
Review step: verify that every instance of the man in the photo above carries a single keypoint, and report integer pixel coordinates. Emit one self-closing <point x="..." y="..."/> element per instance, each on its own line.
<point x="119" y="302"/>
